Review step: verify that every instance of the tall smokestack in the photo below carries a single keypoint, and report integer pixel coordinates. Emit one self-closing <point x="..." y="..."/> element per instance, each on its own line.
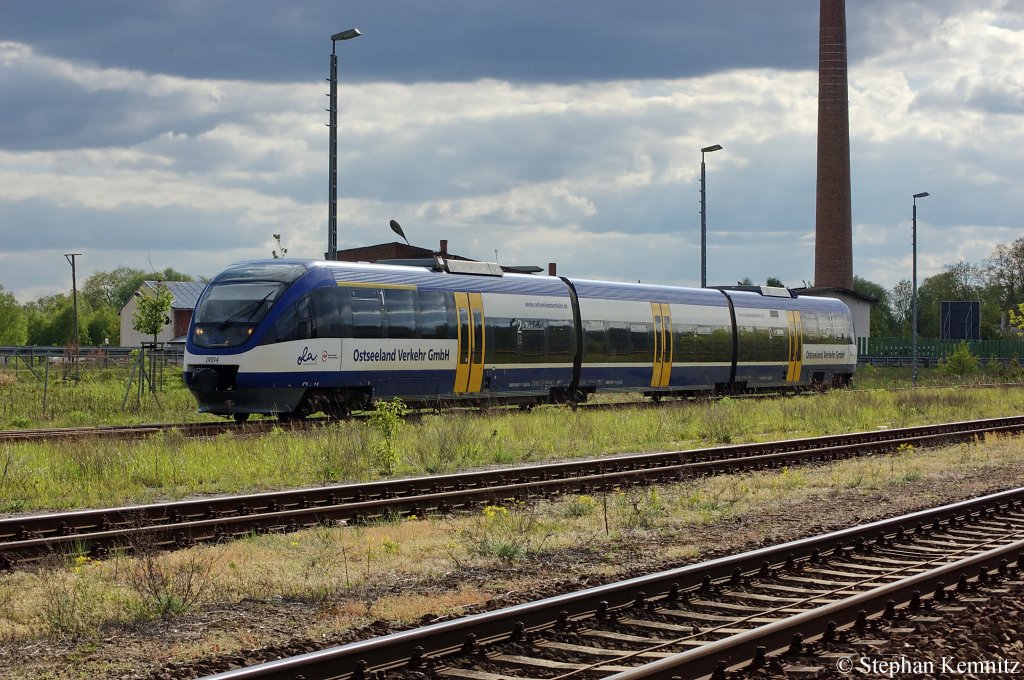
<point x="833" y="241"/>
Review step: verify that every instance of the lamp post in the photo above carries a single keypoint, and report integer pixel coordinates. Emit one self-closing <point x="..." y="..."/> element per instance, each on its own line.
<point x="332" y="201"/>
<point x="703" y="218"/>
<point x="913" y="295"/>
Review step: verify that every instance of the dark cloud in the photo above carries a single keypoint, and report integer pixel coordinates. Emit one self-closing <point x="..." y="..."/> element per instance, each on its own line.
<point x="41" y="225"/>
<point x="412" y="40"/>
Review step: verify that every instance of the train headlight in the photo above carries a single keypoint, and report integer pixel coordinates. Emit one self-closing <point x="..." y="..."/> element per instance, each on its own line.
<point x="199" y="331"/>
<point x="248" y="331"/>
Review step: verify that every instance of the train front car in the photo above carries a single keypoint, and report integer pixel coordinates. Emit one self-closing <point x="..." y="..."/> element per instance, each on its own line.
<point x="291" y="338"/>
<point x="223" y="354"/>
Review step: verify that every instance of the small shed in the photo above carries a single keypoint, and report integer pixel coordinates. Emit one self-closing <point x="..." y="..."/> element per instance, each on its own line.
<point x="185" y="295"/>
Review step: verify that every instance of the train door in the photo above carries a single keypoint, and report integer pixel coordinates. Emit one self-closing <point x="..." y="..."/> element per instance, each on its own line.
<point x="796" y="347"/>
<point x="469" y="372"/>
<point x="662" y="344"/>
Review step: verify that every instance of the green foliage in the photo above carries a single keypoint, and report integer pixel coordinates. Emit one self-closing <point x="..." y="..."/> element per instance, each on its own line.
<point x="151" y="315"/>
<point x="51" y="321"/>
<point x="112" y="289"/>
<point x="961" y="362"/>
<point x="580" y="506"/>
<point x="103" y="325"/>
<point x="13" y="324"/>
<point x="883" y="321"/>
<point x="387" y="420"/>
<point x="644" y="508"/>
<point x="506" y="533"/>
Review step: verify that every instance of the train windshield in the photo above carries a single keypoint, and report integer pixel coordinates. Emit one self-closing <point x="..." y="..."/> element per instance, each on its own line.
<point x="237" y="300"/>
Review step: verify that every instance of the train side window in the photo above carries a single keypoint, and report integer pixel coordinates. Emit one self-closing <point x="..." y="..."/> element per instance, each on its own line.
<point x="504" y="349"/>
<point x="702" y="342"/>
<point x="367" y="320"/>
<point x="305" y="322"/>
<point x="284" y="327"/>
<point x="400" y="305"/>
<point x="559" y="342"/>
<point x="641" y="341"/>
<point x="463" y="335"/>
<point x="618" y="341"/>
<point x="532" y="341"/>
<point x="811" y="332"/>
<point x="330" y="306"/>
<point x="595" y="342"/>
<point x="721" y="344"/>
<point x="478" y="336"/>
<point x="433" y="314"/>
<point x="845" y="329"/>
<point x="825" y="326"/>
<point x="778" y="343"/>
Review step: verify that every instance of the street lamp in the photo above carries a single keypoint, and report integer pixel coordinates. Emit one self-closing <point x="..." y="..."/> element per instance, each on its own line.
<point x="332" y="201"/>
<point x="703" y="218"/>
<point x="913" y="297"/>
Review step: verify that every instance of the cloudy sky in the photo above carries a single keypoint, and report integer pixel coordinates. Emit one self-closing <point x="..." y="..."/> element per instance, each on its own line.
<point x="186" y="133"/>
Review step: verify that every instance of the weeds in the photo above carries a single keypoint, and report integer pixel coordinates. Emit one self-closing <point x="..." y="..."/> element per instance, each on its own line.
<point x="506" y="534"/>
<point x="166" y="584"/>
<point x="580" y="506"/>
<point x="386" y="419"/>
<point x="643" y="508"/>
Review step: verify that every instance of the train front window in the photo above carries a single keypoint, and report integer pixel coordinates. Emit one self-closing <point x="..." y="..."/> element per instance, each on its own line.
<point x="237" y="300"/>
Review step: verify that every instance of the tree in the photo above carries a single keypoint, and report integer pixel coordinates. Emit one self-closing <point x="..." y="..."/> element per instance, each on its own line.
<point x="774" y="281"/>
<point x="1004" y="273"/>
<point x="882" y="322"/>
<point x="151" y="315"/>
<point x="900" y="301"/>
<point x="112" y="289"/>
<point x="958" y="281"/>
<point x="13" y="323"/>
<point x="51" y="321"/>
<point x="104" y="325"/>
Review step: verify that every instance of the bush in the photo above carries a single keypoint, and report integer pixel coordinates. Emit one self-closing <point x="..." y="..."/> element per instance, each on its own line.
<point x="961" y="362"/>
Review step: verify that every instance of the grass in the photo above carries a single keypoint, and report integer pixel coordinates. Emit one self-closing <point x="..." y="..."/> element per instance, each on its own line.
<point x="83" y="473"/>
<point x="352" y="575"/>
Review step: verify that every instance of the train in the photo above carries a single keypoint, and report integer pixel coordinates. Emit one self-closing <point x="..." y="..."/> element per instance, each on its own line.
<point x="292" y="338"/>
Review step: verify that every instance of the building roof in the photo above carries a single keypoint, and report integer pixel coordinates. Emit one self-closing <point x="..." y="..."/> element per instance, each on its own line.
<point x="829" y="290"/>
<point x="186" y="293"/>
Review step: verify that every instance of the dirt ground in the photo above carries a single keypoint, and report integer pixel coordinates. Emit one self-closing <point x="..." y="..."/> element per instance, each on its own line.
<point x="219" y="638"/>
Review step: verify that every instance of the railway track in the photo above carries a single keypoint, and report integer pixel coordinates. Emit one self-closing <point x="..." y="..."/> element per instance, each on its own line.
<point x="172" y="525"/>
<point x="796" y="606"/>
<point x="203" y="429"/>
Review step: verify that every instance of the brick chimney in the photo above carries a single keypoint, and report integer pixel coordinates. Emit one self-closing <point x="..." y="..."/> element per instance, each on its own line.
<point x="833" y="235"/>
<point x="552" y="269"/>
<point x="444" y="247"/>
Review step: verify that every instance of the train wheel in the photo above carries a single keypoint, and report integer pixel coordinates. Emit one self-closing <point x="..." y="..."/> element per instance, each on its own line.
<point x="240" y="417"/>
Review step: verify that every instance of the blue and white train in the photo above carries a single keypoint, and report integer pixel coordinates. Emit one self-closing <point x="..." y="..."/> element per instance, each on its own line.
<point x="294" y="337"/>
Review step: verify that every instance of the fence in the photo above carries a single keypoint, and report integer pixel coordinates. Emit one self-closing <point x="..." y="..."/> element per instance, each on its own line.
<point x="930" y="351"/>
<point x="36" y="359"/>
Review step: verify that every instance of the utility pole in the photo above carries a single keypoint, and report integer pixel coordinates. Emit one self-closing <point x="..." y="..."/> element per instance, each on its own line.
<point x="70" y="257"/>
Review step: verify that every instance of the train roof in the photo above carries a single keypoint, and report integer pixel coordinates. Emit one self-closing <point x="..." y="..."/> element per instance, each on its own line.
<point x="489" y="277"/>
<point x="456" y="275"/>
<point x="644" y="292"/>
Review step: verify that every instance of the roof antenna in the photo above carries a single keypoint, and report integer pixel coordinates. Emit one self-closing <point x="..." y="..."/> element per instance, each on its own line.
<point x="397" y="228"/>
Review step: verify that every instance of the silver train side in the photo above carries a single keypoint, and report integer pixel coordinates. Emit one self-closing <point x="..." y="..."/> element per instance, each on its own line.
<point x="294" y="337"/>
